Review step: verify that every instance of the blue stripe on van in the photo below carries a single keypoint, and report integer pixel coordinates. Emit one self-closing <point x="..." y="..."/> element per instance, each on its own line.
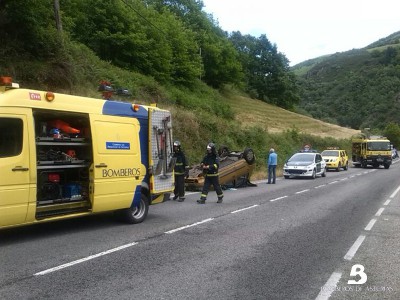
<point x="116" y="108"/>
<point x="136" y="197"/>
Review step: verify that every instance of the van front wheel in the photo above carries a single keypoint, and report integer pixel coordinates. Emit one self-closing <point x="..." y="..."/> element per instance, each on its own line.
<point x="136" y="214"/>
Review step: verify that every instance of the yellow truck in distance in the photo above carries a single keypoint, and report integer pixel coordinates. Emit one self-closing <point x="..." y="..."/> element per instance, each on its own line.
<point x="64" y="156"/>
<point x="372" y="151"/>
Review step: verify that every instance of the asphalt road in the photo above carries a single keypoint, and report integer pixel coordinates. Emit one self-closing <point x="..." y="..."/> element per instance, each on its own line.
<point x="297" y="239"/>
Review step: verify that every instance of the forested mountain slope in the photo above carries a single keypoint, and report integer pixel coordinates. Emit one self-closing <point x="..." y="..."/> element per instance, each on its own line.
<point x="357" y="88"/>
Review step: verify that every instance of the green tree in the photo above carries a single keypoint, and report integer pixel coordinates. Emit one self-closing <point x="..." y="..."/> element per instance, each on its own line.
<point x="267" y="71"/>
<point x="392" y="132"/>
<point x="29" y="25"/>
<point x="220" y="64"/>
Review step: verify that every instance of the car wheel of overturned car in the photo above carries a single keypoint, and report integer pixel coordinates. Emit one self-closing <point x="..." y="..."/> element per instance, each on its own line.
<point x="248" y="155"/>
<point x="223" y="151"/>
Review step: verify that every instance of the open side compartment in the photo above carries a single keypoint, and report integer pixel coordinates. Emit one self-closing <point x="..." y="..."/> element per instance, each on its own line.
<point x="63" y="156"/>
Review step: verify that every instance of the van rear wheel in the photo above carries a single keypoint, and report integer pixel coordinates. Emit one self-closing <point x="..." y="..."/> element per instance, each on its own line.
<point x="136" y="214"/>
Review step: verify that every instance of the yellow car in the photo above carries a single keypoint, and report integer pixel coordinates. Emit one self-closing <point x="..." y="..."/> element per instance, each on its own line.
<point x="336" y="159"/>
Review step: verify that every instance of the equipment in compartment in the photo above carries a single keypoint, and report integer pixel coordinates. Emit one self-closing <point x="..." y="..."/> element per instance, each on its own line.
<point x="60" y="186"/>
<point x="49" y="186"/>
<point x="72" y="191"/>
<point x="64" y="154"/>
<point x="53" y="156"/>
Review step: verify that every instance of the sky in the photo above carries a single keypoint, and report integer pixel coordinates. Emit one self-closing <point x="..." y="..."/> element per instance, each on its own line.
<point x="305" y="29"/>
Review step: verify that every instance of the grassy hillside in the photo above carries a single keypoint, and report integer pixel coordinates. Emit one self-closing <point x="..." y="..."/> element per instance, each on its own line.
<point x="250" y="112"/>
<point x="257" y="125"/>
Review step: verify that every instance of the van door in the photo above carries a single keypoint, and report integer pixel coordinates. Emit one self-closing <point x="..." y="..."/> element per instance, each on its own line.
<point x="117" y="172"/>
<point x="14" y="167"/>
<point x="161" y="153"/>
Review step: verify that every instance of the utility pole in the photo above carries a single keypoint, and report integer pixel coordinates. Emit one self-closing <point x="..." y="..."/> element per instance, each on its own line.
<point x="57" y="15"/>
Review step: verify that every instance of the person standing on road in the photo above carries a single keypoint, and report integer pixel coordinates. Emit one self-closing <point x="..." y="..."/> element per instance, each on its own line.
<point x="210" y="165"/>
<point x="180" y="172"/>
<point x="272" y="162"/>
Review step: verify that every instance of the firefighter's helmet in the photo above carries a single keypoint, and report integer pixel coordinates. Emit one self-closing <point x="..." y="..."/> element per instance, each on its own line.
<point x="211" y="146"/>
<point x="177" y="146"/>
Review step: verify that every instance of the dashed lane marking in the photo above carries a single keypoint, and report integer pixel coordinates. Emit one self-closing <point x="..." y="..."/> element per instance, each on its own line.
<point x="187" y="226"/>
<point x="303" y="191"/>
<point x="279" y="198"/>
<point x="370" y="225"/>
<point x="242" y="209"/>
<point x="85" y="259"/>
<point x="329" y="287"/>
<point x="379" y="212"/>
<point x="352" y="251"/>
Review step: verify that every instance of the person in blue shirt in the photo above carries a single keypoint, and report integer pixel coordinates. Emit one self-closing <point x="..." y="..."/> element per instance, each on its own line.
<point x="272" y="162"/>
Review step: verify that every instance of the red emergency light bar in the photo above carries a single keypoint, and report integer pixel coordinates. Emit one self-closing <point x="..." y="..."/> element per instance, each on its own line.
<point x="6" y="81"/>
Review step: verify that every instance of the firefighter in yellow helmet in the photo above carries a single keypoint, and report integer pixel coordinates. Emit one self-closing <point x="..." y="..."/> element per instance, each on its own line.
<point x="210" y="165"/>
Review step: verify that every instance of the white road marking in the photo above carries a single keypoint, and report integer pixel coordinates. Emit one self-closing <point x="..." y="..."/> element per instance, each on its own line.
<point x="84" y="259"/>
<point x="333" y="182"/>
<point x="242" y="209"/>
<point x="319" y="186"/>
<point x="343" y="179"/>
<point x="370" y="224"/>
<point x="186" y="194"/>
<point x="279" y="198"/>
<point x="352" y="251"/>
<point x="394" y="193"/>
<point x="387" y="202"/>
<point x="329" y="287"/>
<point x="303" y="191"/>
<point x="379" y="212"/>
<point x="187" y="226"/>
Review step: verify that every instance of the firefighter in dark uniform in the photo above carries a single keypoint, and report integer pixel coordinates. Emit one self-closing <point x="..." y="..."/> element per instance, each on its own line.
<point x="210" y="165"/>
<point x="180" y="172"/>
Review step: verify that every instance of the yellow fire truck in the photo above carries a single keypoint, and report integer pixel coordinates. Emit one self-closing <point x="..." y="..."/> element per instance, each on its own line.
<point x="374" y="151"/>
<point x="64" y="156"/>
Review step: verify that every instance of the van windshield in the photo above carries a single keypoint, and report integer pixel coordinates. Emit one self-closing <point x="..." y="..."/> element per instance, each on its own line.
<point x="378" y="146"/>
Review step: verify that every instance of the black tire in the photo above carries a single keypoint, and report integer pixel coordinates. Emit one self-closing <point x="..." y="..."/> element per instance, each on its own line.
<point x="339" y="166"/>
<point x="135" y="215"/>
<point x="314" y="174"/>
<point x="346" y="167"/>
<point x="249" y="156"/>
<point x="286" y="176"/>
<point x="324" y="173"/>
<point x="223" y="151"/>
<point x="386" y="166"/>
<point x="364" y="164"/>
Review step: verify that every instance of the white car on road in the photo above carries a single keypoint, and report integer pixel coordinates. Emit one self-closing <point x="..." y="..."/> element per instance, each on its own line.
<point x="305" y="164"/>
